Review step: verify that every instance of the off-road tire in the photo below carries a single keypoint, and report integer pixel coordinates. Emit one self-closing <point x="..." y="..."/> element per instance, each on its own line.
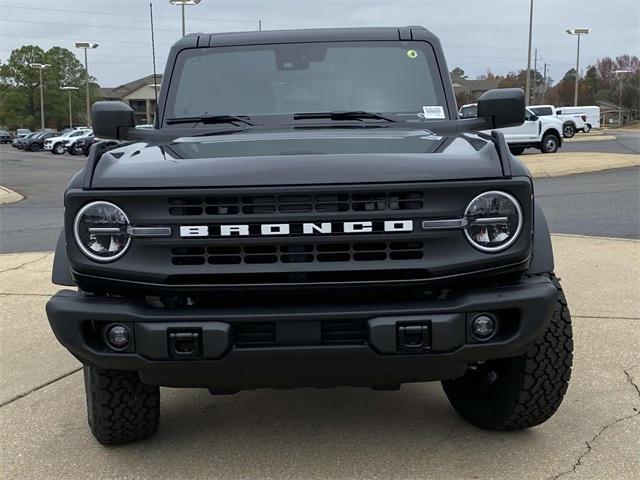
<point x="517" y="150"/>
<point x="587" y="128"/>
<point x="550" y="143"/>
<point x="568" y="130"/>
<point x="120" y="408"/>
<point x="519" y="392"/>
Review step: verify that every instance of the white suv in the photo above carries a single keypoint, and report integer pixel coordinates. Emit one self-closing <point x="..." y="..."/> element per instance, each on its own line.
<point x="543" y="133"/>
<point x="57" y="145"/>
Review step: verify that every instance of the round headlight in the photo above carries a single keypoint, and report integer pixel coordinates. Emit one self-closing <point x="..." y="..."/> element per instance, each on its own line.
<point x="494" y="221"/>
<point x="100" y="229"/>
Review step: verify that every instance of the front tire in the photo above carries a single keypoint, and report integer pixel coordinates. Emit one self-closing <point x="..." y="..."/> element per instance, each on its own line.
<point x="517" y="150"/>
<point x="550" y="143"/>
<point x="120" y="408"/>
<point x="569" y="130"/>
<point x="58" y="149"/>
<point x="587" y="128"/>
<point x="519" y="392"/>
<point x="34" y="147"/>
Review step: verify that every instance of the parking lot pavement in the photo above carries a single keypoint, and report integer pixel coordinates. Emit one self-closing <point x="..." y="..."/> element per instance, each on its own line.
<point x="335" y="433"/>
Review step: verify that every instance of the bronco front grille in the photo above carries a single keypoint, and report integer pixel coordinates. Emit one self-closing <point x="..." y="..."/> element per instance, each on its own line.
<point x="298" y="253"/>
<point x="295" y="203"/>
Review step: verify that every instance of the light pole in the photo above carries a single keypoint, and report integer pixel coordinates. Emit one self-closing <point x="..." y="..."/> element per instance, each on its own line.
<point x="619" y="72"/>
<point x="578" y="32"/>
<point x="86" y="46"/>
<point x="182" y="3"/>
<point x="69" y="89"/>
<point x="528" y="87"/>
<point x="41" y="67"/>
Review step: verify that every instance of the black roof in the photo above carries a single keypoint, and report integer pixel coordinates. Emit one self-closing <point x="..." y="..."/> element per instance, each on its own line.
<point x="305" y="35"/>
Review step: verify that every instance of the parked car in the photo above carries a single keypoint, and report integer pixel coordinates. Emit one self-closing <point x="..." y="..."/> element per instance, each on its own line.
<point x="543" y="133"/>
<point x="571" y="122"/>
<point x="592" y="113"/>
<point x="36" y="143"/>
<point x="81" y="145"/>
<point x="5" y="137"/>
<point x="468" y="111"/>
<point x="20" y="134"/>
<point x="57" y="145"/>
<point x="21" y="140"/>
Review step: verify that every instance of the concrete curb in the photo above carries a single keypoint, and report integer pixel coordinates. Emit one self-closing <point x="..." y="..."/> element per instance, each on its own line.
<point x="612" y="239"/>
<point x="559" y="164"/>
<point x="9" y="196"/>
<point x="594" y="138"/>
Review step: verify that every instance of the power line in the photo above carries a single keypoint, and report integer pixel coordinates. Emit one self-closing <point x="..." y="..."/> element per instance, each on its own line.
<point x="94" y="12"/>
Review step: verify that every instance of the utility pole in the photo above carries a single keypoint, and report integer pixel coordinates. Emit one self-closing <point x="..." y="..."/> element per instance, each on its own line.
<point x="544" y="86"/>
<point x="259" y="25"/>
<point x="620" y="81"/>
<point x="535" y="75"/>
<point x="528" y="87"/>
<point x="68" y="89"/>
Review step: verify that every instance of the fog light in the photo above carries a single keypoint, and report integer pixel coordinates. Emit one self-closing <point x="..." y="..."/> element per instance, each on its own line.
<point x="483" y="326"/>
<point x="118" y="337"/>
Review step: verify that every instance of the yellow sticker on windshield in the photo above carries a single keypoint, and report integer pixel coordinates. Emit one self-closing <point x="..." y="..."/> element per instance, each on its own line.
<point x="412" y="54"/>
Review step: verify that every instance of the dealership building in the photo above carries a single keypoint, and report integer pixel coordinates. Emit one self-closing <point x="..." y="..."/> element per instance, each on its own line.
<point x="139" y="94"/>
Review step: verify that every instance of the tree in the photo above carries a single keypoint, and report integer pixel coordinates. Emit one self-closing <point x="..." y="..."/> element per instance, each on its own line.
<point x="20" y="85"/>
<point x="20" y="88"/>
<point x="458" y="73"/>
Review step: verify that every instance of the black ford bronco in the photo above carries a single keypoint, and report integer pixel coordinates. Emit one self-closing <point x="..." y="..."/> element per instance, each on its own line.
<point x="309" y="211"/>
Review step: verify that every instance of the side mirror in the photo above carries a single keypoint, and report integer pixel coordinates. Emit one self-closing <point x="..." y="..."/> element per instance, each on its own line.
<point x="112" y="119"/>
<point x="503" y="107"/>
<point x="532" y="118"/>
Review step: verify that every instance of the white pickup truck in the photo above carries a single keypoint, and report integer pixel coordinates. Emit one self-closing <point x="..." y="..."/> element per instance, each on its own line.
<point x="543" y="133"/>
<point x="571" y="122"/>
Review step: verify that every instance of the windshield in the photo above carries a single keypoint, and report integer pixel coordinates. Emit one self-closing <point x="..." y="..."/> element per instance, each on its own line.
<point x="469" y="111"/>
<point x="398" y="78"/>
<point x="542" y="111"/>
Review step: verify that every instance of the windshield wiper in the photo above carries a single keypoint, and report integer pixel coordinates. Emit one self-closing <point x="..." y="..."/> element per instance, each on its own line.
<point x="211" y="119"/>
<point x="348" y="115"/>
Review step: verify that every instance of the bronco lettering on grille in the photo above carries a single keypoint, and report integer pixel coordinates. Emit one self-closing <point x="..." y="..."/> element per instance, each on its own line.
<point x="273" y="229"/>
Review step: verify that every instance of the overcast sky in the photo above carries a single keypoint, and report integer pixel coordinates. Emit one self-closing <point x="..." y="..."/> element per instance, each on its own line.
<point x="476" y="34"/>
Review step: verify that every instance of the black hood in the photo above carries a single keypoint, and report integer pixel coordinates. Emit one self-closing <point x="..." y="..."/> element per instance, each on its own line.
<point x="298" y="157"/>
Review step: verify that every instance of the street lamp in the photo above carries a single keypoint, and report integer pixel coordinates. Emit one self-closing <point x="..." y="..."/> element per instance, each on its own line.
<point x="619" y="72"/>
<point x="86" y="46"/>
<point x="182" y="3"/>
<point x="41" y="67"/>
<point x="578" y="32"/>
<point x="69" y="89"/>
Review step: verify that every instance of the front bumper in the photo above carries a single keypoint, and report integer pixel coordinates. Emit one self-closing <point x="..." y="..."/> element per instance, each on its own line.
<point x="300" y="355"/>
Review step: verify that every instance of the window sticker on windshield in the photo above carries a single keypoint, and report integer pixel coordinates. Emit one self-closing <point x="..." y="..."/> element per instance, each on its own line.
<point x="433" y="112"/>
